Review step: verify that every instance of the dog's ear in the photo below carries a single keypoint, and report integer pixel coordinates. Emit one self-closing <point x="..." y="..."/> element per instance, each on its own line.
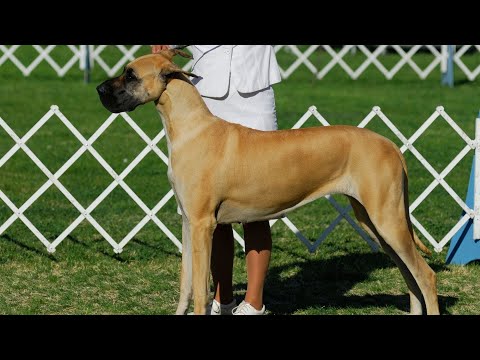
<point x="171" y="68"/>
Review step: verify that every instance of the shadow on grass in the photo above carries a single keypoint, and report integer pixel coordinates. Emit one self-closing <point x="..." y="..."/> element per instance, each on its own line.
<point x="122" y="258"/>
<point x="28" y="247"/>
<point x="325" y="282"/>
<point x="464" y="82"/>
<point x="111" y="255"/>
<point x="156" y="248"/>
<point x="145" y="249"/>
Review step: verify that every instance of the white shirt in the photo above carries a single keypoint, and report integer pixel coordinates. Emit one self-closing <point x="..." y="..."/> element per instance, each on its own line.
<point x="250" y="67"/>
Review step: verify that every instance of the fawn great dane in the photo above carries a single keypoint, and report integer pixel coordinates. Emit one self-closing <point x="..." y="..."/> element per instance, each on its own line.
<point x="224" y="173"/>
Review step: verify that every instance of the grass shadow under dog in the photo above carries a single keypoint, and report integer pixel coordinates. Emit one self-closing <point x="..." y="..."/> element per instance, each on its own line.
<point x="325" y="283"/>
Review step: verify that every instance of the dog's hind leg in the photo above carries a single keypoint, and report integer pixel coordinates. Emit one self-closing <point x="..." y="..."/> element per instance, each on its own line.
<point x="363" y="219"/>
<point x="201" y="235"/>
<point x="186" y="275"/>
<point x="415" y="293"/>
<point x="389" y="216"/>
<point x="420" y="278"/>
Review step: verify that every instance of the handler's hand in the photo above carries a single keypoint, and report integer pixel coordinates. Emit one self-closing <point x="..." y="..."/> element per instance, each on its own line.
<point x="157" y="48"/>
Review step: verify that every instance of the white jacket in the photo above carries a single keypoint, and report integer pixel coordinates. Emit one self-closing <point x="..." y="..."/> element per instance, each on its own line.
<point x="250" y="67"/>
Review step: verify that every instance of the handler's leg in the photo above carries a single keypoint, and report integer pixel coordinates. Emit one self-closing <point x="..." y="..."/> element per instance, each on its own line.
<point x="222" y="263"/>
<point x="258" y="247"/>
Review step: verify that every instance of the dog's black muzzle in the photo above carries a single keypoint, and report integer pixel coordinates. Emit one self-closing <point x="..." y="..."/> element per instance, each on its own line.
<point x="116" y="99"/>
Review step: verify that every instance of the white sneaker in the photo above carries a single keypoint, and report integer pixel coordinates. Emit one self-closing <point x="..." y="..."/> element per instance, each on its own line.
<point x="215" y="308"/>
<point x="246" y="309"/>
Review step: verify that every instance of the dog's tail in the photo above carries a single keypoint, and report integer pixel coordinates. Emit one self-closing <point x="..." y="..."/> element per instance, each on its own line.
<point x="421" y="245"/>
<point x="416" y="240"/>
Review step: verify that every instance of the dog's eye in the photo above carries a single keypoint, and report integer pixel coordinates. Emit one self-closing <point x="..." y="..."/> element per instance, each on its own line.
<point x="130" y="75"/>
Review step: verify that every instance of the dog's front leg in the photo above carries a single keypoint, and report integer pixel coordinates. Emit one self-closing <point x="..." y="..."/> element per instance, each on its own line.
<point x="186" y="276"/>
<point x="201" y="233"/>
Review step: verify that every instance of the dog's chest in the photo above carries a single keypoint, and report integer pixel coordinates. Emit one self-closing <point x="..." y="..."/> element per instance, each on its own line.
<point x="170" y="173"/>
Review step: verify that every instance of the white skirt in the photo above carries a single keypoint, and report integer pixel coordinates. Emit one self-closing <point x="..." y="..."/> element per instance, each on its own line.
<point x="254" y="110"/>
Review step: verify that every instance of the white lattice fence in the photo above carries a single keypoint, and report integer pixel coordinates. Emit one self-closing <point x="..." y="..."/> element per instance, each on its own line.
<point x="125" y="56"/>
<point x="110" y="63"/>
<point x="44" y="54"/>
<point x="471" y="74"/>
<point x="373" y="58"/>
<point x="151" y="214"/>
<point x="111" y="58"/>
<point x="85" y="213"/>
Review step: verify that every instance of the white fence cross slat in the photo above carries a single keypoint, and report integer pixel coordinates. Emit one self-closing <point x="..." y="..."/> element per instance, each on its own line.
<point x="127" y="56"/>
<point x="338" y="57"/>
<point x="151" y="214"/>
<point x="472" y="75"/>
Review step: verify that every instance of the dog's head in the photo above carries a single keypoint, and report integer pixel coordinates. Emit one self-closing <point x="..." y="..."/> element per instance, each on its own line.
<point x="143" y="80"/>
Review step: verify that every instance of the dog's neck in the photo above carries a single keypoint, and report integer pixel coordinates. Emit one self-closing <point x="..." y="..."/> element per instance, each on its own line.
<point x="183" y="111"/>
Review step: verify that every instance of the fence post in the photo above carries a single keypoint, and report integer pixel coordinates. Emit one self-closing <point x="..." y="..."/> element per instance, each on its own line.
<point x="476" y="222"/>
<point x="448" y="52"/>
<point x="81" y="63"/>
<point x="86" y="71"/>
<point x="463" y="247"/>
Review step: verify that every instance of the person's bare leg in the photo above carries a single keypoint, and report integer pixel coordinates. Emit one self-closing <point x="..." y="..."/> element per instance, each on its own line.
<point x="222" y="263"/>
<point x="258" y="247"/>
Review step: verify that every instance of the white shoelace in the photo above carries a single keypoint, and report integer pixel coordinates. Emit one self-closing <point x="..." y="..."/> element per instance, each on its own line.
<point x="241" y="309"/>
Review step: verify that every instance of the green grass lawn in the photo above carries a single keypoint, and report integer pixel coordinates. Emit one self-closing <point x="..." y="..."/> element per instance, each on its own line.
<point x="343" y="276"/>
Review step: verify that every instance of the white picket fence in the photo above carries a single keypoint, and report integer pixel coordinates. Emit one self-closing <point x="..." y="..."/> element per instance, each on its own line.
<point x="337" y="56"/>
<point x="151" y="214"/>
